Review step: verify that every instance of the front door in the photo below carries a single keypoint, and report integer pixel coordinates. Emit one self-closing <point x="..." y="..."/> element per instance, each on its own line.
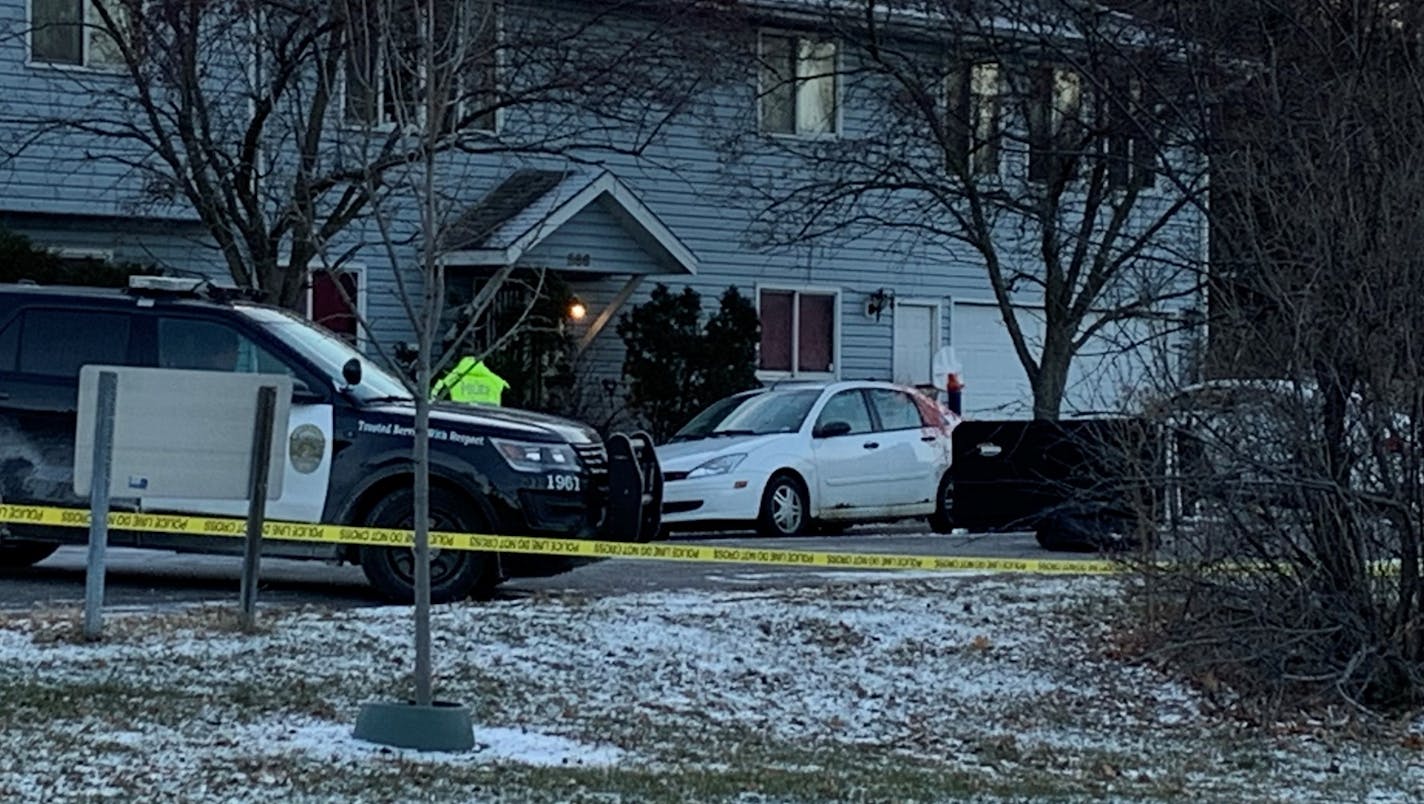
<point x="915" y="343"/>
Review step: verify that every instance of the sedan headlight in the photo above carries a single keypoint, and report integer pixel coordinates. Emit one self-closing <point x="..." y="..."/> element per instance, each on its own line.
<point x="528" y="456"/>
<point x="717" y="466"/>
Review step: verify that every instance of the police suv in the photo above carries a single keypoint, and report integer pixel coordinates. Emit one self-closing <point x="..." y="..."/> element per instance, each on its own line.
<point x="493" y="470"/>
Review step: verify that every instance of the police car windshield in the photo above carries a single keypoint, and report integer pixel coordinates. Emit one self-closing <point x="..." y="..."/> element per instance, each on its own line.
<point x="327" y="351"/>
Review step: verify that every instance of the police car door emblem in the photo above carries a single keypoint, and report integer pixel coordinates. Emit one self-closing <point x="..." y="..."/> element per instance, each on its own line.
<point x="306" y="446"/>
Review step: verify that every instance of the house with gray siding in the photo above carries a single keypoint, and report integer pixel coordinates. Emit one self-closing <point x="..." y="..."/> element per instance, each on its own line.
<point x="695" y="203"/>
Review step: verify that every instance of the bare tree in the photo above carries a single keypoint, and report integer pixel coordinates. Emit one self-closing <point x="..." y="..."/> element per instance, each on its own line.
<point x="433" y="81"/>
<point x="1053" y="143"/>
<point x="261" y="116"/>
<point x="1296" y="496"/>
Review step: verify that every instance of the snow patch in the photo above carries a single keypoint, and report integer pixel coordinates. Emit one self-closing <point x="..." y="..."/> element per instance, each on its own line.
<point x="493" y="744"/>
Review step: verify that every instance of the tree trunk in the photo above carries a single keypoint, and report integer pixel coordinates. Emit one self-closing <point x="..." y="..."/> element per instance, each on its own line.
<point x="1051" y="380"/>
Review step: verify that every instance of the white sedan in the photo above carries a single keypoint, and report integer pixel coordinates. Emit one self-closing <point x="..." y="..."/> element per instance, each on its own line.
<point x="803" y="455"/>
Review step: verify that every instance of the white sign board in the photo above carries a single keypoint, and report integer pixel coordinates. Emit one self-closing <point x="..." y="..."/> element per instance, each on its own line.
<point x="181" y="433"/>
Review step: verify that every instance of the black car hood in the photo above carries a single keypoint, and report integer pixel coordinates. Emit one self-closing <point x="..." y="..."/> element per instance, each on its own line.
<point x="490" y="420"/>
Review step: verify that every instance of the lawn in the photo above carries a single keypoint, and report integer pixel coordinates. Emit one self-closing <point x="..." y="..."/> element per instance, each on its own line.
<point x="864" y="688"/>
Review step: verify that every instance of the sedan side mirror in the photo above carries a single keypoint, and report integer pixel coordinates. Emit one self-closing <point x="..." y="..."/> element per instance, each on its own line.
<point x="832" y="429"/>
<point x="351" y="372"/>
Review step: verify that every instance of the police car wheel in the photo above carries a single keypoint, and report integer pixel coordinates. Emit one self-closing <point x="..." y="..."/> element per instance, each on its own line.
<point x="19" y="555"/>
<point x="454" y="574"/>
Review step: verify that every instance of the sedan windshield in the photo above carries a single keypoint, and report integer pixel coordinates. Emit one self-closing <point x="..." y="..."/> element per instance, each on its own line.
<point x="328" y="352"/>
<point x="754" y="414"/>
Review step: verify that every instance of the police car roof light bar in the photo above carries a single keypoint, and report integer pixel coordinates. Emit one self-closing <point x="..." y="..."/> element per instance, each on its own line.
<point x="197" y="287"/>
<point x="167" y="284"/>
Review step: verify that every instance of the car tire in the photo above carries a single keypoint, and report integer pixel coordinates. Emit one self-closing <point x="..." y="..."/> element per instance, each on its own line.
<point x="1083" y="531"/>
<point x="942" y="520"/>
<point x="21" y="555"/>
<point x="785" y="510"/>
<point x="454" y="574"/>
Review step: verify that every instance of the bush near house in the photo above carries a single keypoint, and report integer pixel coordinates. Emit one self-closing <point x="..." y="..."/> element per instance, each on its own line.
<point x="675" y="365"/>
<point x="21" y="259"/>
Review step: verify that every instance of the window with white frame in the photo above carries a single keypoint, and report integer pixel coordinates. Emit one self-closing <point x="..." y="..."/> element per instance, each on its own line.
<point x="973" y="102"/>
<point x="73" y="32"/>
<point x="798" y="331"/>
<point x="387" y="81"/>
<point x="1057" y="125"/>
<point x="798" y="92"/>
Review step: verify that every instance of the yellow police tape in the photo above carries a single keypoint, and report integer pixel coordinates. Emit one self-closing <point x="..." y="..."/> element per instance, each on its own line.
<point x="659" y="551"/>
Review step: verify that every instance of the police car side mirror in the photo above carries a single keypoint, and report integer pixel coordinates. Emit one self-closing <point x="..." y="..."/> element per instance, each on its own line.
<point x="351" y="372"/>
<point x="302" y="394"/>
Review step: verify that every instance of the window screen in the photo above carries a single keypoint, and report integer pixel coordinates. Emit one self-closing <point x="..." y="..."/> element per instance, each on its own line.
<point x="778" y="84"/>
<point x="798" y="332"/>
<point x="56" y="35"/>
<point x="776" y="309"/>
<point x="56" y="343"/>
<point x="815" y="346"/>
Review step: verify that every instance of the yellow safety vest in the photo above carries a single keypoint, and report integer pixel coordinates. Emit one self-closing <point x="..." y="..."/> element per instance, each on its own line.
<point x="471" y="382"/>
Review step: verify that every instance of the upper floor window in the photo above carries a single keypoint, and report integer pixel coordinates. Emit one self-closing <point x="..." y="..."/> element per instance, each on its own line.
<point x="396" y="74"/>
<point x="1056" y="124"/>
<point x="798" y="85"/>
<point x="1131" y="152"/>
<point x="73" y="32"/>
<point x="973" y="99"/>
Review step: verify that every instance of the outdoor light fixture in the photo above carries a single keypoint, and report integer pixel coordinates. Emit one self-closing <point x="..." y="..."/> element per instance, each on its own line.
<point x="576" y="309"/>
<point x="878" y="302"/>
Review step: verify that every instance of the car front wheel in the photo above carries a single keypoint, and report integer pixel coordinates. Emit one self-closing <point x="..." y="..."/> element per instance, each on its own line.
<point x="785" y="510"/>
<point x="454" y="574"/>
<point x="19" y="555"/>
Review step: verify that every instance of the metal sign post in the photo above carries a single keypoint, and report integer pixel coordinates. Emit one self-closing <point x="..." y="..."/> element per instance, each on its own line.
<point x="257" y="503"/>
<point x="99" y="505"/>
<point x="138" y="440"/>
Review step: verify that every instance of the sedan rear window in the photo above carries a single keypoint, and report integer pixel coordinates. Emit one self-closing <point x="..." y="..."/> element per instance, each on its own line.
<point x="895" y="409"/>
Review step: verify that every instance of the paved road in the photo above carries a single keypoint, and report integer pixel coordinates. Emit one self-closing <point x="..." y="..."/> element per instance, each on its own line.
<point x="149" y="578"/>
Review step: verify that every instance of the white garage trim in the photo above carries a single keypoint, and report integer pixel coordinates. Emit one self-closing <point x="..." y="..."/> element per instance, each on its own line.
<point x="1102" y="375"/>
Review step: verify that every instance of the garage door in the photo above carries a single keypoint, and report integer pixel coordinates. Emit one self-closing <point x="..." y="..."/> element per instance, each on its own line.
<point x="996" y="386"/>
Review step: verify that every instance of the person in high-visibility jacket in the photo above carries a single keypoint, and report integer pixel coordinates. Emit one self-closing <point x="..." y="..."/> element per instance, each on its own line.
<point x="470" y="382"/>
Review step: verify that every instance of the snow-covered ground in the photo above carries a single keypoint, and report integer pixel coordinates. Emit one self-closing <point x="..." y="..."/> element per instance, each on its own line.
<point x="864" y="688"/>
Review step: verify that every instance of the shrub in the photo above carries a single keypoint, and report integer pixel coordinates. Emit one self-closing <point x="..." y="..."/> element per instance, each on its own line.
<point x="675" y="365"/>
<point x="21" y="259"/>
